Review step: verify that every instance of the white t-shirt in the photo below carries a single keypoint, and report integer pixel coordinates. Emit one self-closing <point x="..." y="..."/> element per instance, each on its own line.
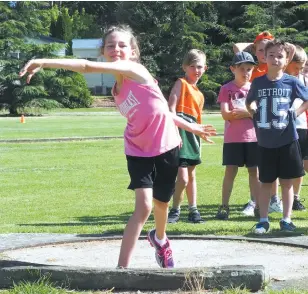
<point x="301" y="120"/>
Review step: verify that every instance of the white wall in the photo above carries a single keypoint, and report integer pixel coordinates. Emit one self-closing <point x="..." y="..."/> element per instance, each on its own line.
<point x="93" y="80"/>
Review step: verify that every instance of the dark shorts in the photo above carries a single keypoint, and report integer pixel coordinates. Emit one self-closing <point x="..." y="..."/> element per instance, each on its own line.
<point x="158" y="172"/>
<point x="303" y="142"/>
<point x="284" y="162"/>
<point x="240" y="154"/>
<point x="185" y="162"/>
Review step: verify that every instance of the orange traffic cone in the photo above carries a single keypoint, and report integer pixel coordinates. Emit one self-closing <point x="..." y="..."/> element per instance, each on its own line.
<point x="22" y="119"/>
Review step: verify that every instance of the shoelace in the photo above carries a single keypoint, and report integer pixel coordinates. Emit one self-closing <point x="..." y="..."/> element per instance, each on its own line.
<point x="165" y="252"/>
<point x="174" y="212"/>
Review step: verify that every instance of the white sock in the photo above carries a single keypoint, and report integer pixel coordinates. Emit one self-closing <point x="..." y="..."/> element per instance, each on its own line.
<point x="287" y="219"/>
<point x="263" y="219"/>
<point x="161" y="242"/>
<point x="192" y="207"/>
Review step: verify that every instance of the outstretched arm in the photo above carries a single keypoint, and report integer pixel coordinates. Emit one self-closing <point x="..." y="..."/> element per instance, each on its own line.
<point x="203" y="131"/>
<point x="129" y="69"/>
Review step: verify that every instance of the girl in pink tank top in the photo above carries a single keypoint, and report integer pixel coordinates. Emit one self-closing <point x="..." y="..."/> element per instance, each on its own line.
<point x="151" y="136"/>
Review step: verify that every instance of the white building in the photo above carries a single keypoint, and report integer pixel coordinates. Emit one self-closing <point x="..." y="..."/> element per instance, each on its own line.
<point x="91" y="49"/>
<point x="43" y="40"/>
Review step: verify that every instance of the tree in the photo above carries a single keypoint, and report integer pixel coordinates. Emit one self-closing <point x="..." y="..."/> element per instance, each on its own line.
<point x="19" y="22"/>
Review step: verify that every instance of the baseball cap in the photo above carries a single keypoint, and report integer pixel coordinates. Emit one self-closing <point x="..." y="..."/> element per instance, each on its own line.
<point x="242" y="57"/>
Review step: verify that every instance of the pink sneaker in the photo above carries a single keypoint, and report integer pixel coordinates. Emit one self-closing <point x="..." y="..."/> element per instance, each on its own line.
<point x="163" y="254"/>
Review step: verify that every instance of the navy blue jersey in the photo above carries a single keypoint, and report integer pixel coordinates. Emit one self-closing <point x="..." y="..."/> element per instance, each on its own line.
<point x="275" y="120"/>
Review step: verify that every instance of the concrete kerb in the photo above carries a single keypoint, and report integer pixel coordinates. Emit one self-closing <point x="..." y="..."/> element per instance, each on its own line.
<point x="251" y="277"/>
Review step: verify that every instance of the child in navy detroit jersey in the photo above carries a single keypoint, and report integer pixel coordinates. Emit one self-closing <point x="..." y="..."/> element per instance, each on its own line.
<point x="270" y="100"/>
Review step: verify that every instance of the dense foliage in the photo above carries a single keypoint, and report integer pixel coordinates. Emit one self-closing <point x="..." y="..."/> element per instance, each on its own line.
<point x="166" y="30"/>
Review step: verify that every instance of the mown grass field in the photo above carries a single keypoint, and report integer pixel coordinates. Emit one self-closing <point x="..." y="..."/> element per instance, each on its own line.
<point x="81" y="186"/>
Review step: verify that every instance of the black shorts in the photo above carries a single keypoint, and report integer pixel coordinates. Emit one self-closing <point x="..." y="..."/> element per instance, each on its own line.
<point x="185" y="162"/>
<point x="303" y="142"/>
<point x="158" y="172"/>
<point x="284" y="162"/>
<point x="240" y="154"/>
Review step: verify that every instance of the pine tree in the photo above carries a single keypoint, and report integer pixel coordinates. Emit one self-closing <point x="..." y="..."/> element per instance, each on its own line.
<point x="20" y="21"/>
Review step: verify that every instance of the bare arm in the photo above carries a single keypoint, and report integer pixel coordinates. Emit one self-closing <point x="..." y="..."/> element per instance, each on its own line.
<point x="129" y="69"/>
<point x="302" y="108"/>
<point x="203" y="131"/>
<point x="237" y="113"/>
<point x="174" y="96"/>
<point x="225" y="111"/>
<point x="238" y="47"/>
<point x="251" y="107"/>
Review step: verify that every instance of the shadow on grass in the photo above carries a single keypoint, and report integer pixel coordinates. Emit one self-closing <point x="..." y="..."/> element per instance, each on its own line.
<point x="89" y="221"/>
<point x="208" y="212"/>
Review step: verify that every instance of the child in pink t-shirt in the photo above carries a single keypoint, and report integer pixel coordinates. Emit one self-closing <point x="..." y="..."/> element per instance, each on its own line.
<point x="240" y="142"/>
<point x="151" y="136"/>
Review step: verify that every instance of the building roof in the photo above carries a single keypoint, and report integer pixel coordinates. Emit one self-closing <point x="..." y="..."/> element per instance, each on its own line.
<point x="86" y="43"/>
<point x="51" y="39"/>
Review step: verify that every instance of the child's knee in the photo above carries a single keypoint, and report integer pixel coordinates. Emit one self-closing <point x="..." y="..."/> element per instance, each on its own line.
<point x="143" y="212"/>
<point x="231" y="171"/>
<point x="161" y="205"/>
<point x="253" y="171"/>
<point x="183" y="180"/>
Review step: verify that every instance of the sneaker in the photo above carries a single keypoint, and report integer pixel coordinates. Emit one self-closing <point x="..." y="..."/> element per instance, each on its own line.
<point x="163" y="254"/>
<point x="256" y="212"/>
<point x="262" y="228"/>
<point x="298" y="205"/>
<point x="195" y="217"/>
<point x="287" y="227"/>
<point x="173" y="216"/>
<point x="249" y="208"/>
<point x="275" y="206"/>
<point x="223" y="212"/>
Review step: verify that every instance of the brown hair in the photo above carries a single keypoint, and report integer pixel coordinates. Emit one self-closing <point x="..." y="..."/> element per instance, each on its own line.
<point x="300" y="55"/>
<point x="127" y="30"/>
<point x="272" y="43"/>
<point x="193" y="56"/>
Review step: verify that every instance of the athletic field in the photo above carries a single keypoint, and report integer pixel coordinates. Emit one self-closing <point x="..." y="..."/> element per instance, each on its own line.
<point x="80" y="186"/>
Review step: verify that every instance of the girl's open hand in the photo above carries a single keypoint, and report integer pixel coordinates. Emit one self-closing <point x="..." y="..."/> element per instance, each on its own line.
<point x="204" y="131"/>
<point x="32" y="67"/>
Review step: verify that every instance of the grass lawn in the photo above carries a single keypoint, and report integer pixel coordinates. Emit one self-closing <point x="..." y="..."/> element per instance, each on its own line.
<point x="75" y="124"/>
<point x="43" y="286"/>
<point x="81" y="187"/>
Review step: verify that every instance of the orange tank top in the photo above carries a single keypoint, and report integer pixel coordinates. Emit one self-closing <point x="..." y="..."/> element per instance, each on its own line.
<point x="191" y="101"/>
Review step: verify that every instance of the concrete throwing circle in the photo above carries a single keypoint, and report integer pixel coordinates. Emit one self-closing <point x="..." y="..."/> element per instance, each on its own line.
<point x="280" y="262"/>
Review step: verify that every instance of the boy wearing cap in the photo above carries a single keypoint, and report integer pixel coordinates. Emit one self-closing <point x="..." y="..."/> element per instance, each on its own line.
<point x="240" y="142"/>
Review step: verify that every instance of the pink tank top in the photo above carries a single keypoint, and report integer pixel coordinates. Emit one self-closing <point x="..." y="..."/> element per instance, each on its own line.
<point x="150" y="129"/>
